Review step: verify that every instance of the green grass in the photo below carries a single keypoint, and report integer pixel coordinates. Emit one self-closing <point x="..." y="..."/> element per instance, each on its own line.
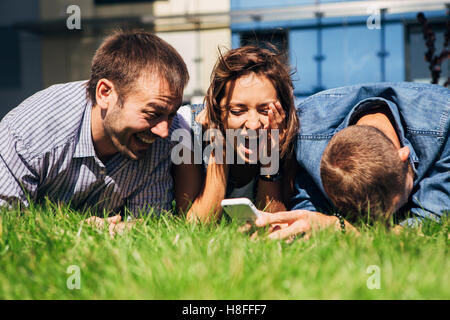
<point x="169" y="259"/>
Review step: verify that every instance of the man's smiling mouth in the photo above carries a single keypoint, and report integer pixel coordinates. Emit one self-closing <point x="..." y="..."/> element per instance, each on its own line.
<point x="145" y="137"/>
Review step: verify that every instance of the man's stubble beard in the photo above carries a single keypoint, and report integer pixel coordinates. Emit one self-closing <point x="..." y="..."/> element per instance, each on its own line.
<point x="112" y="129"/>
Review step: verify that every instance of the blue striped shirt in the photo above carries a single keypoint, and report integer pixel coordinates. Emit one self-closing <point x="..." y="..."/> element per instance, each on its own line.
<point x="46" y="150"/>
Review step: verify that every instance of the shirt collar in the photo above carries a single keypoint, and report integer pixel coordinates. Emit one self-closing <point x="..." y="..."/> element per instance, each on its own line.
<point x="369" y="103"/>
<point x="85" y="146"/>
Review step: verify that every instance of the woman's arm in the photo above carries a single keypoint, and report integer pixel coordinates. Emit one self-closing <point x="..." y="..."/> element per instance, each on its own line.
<point x="206" y="207"/>
<point x="269" y="196"/>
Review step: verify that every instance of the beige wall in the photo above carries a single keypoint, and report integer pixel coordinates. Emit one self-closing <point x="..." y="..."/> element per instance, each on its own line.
<point x="67" y="56"/>
<point x="211" y="43"/>
<point x="172" y="7"/>
<point x="199" y="49"/>
<point x="54" y="9"/>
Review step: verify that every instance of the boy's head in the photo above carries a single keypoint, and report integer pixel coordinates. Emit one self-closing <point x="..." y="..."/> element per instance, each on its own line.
<point x="364" y="173"/>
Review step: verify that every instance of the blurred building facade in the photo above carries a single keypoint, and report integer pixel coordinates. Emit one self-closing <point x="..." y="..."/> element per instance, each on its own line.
<point x="330" y="43"/>
<point x="334" y="43"/>
<point x="40" y="50"/>
<point x="198" y="29"/>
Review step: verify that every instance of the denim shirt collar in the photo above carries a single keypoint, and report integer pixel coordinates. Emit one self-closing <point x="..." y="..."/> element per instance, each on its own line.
<point x="366" y="105"/>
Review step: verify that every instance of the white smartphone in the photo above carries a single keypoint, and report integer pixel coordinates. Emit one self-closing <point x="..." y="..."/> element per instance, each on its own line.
<point x="240" y="209"/>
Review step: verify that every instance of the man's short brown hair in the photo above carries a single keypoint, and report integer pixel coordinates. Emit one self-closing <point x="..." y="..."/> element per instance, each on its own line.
<point x="362" y="172"/>
<point x="124" y="56"/>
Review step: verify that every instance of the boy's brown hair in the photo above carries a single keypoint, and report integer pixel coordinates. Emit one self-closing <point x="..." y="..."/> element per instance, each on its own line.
<point x="361" y="173"/>
<point x="124" y="56"/>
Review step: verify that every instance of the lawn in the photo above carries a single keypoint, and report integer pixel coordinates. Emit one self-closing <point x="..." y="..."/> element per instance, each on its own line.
<point x="44" y="248"/>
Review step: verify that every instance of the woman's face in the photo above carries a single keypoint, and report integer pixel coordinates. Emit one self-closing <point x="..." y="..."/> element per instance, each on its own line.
<point x="248" y="108"/>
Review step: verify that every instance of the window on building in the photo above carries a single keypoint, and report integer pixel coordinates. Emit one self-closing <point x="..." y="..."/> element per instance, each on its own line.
<point x="9" y="58"/>
<point x="347" y="55"/>
<point x="262" y="38"/>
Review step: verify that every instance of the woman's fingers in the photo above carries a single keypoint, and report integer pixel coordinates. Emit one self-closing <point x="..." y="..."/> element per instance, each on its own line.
<point x="278" y="115"/>
<point x="280" y="109"/>
<point x="271" y="116"/>
<point x="273" y="124"/>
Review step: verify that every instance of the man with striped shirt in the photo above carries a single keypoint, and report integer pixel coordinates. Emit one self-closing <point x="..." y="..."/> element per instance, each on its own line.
<point x="105" y="143"/>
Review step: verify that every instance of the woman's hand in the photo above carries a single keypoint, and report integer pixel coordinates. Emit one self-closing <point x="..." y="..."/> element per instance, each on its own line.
<point x="277" y="119"/>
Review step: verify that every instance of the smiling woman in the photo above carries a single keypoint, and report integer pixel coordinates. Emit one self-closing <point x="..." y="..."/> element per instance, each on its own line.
<point x="251" y="99"/>
<point x="248" y="109"/>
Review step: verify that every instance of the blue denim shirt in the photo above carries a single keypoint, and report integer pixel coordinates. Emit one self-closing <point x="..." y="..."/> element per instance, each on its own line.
<point x="421" y="113"/>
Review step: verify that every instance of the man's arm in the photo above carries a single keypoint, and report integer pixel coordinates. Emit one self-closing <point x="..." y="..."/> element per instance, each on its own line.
<point x="18" y="181"/>
<point x="307" y="195"/>
<point x="432" y="199"/>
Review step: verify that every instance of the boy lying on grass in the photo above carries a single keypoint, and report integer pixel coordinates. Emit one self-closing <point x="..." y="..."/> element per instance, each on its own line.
<point x="375" y="152"/>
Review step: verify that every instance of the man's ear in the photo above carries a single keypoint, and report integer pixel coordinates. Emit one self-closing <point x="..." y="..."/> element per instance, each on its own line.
<point x="105" y="94"/>
<point x="403" y="153"/>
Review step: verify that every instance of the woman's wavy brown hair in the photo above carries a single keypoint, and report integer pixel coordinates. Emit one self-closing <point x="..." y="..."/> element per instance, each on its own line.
<point x="240" y="62"/>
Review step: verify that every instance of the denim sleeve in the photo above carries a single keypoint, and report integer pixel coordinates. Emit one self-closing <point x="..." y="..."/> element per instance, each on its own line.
<point x="432" y="199"/>
<point x="307" y="195"/>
